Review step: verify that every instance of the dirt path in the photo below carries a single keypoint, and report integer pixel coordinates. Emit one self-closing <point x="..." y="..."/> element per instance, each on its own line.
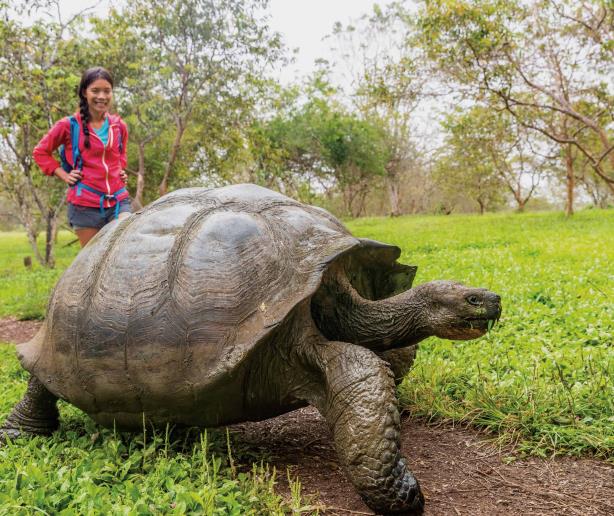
<point x="461" y="473"/>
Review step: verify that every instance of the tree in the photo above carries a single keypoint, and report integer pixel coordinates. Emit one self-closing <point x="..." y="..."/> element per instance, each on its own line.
<point x="465" y="166"/>
<point x="389" y="81"/>
<point x="204" y="51"/>
<point x="318" y="141"/>
<point x="39" y="69"/>
<point x="548" y="63"/>
<point x="120" y="48"/>
<point x="497" y="139"/>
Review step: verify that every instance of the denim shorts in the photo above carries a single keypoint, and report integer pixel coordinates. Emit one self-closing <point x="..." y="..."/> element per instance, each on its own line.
<point x="81" y="217"/>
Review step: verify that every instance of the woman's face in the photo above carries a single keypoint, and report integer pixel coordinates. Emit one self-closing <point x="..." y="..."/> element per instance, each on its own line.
<point x="99" y="95"/>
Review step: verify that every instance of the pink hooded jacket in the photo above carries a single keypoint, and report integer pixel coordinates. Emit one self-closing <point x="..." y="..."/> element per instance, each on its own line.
<point x="101" y="164"/>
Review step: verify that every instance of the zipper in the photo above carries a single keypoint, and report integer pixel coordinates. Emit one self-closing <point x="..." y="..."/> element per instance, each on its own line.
<point x="106" y="168"/>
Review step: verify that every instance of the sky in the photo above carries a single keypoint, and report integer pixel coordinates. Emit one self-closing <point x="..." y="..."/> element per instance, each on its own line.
<point x="302" y="23"/>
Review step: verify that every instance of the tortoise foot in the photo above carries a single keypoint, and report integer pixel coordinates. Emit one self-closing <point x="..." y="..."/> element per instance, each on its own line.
<point x="35" y="414"/>
<point x="9" y="433"/>
<point x="19" y="424"/>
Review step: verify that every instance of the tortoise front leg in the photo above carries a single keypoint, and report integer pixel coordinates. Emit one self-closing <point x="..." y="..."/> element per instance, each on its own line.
<point x="400" y="361"/>
<point x="357" y="399"/>
<point x="35" y="414"/>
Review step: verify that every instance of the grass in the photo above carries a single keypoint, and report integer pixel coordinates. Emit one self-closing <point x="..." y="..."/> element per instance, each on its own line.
<point x="24" y="292"/>
<point x="544" y="378"/>
<point x="85" y="469"/>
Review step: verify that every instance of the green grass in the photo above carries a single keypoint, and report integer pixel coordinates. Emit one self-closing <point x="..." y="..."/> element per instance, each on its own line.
<point x="24" y="292"/>
<point x="544" y="378"/>
<point x="85" y="469"/>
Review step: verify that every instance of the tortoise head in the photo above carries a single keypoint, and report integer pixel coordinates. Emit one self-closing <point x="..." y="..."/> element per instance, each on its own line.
<point x="458" y="312"/>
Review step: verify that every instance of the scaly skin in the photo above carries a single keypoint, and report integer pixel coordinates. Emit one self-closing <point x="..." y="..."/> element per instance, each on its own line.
<point x="35" y="414"/>
<point x="437" y="308"/>
<point x="354" y="391"/>
<point x="400" y="361"/>
<point x="359" y="403"/>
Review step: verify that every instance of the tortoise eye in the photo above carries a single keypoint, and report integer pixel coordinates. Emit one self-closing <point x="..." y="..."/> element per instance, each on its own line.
<point x="474" y="300"/>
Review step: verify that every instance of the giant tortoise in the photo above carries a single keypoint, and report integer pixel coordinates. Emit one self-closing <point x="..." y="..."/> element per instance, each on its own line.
<point x="215" y="306"/>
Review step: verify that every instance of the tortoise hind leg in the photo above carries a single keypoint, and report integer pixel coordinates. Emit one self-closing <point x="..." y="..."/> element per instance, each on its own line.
<point x="36" y="414"/>
<point x="357" y="399"/>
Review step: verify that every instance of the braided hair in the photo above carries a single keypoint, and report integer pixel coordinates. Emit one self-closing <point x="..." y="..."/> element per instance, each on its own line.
<point x="88" y="77"/>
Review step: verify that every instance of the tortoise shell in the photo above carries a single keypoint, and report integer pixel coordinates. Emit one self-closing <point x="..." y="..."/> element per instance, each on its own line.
<point x="162" y="306"/>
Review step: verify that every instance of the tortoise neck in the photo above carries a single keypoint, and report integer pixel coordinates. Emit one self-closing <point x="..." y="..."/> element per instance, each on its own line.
<point x="344" y="315"/>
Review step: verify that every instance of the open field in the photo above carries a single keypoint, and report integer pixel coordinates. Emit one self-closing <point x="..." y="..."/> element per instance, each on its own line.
<point x="542" y="380"/>
<point x="23" y="292"/>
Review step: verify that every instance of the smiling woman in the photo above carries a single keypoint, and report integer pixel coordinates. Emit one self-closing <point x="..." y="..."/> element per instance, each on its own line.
<point x="94" y="157"/>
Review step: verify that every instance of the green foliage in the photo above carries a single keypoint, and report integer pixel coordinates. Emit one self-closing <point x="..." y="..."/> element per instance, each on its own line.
<point x="317" y="140"/>
<point x="547" y="63"/>
<point x="544" y="377"/>
<point x="200" y="58"/>
<point x="466" y="167"/>
<point x="40" y="66"/>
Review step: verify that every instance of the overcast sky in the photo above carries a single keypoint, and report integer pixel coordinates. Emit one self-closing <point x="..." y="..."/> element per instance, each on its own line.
<point x="303" y="24"/>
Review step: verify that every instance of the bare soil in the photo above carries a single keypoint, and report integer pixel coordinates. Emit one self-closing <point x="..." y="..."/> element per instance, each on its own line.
<point x="461" y="472"/>
<point x="16" y="331"/>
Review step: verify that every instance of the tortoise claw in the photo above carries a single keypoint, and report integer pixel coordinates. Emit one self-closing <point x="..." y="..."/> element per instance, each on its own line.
<point x="9" y="434"/>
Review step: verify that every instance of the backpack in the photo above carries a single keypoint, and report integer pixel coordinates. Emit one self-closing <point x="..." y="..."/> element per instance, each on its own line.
<point x="77" y="160"/>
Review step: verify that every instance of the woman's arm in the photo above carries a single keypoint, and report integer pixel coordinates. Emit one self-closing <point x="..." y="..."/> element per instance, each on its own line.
<point x="123" y="160"/>
<point x="43" y="152"/>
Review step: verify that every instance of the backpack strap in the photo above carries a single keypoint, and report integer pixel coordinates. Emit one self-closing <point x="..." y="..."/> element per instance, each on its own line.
<point x="77" y="160"/>
<point x="75" y="129"/>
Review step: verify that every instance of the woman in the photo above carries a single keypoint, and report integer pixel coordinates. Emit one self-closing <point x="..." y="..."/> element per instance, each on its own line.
<point x="98" y="191"/>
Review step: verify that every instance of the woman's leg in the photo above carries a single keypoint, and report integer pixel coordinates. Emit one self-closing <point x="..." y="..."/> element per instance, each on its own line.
<point x="86" y="234"/>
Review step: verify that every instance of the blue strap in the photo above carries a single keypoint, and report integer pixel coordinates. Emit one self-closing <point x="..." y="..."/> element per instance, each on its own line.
<point x="77" y="160"/>
<point x="103" y="196"/>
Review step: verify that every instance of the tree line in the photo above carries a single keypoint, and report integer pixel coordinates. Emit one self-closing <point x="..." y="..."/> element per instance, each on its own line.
<point x="436" y="106"/>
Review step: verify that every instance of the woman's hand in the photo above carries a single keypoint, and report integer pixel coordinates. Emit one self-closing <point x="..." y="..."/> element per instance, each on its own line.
<point x="123" y="176"/>
<point x="70" y="178"/>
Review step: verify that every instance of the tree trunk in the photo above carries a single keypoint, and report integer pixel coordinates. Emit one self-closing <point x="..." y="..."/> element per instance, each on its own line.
<point x="570" y="180"/>
<point x="163" y="188"/>
<point x="27" y="219"/>
<point x="140" y="178"/>
<point x="32" y="235"/>
<point x="50" y="234"/>
<point x="394" y="195"/>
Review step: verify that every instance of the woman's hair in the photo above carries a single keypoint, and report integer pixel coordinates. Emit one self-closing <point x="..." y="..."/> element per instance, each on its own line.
<point x="88" y="77"/>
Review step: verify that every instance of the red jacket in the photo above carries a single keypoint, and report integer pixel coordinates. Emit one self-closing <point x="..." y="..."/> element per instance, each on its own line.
<point x="101" y="164"/>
